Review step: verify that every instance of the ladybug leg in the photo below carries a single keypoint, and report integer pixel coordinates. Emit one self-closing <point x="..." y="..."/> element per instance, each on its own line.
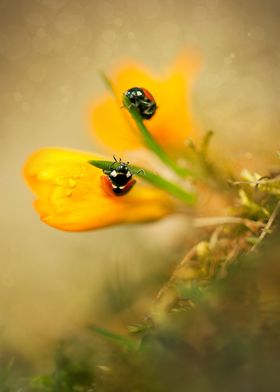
<point x="130" y="105"/>
<point x="112" y="164"/>
<point x="141" y="171"/>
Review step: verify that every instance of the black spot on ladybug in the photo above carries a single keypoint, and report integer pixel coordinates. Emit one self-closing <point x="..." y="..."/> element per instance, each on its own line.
<point x="143" y="101"/>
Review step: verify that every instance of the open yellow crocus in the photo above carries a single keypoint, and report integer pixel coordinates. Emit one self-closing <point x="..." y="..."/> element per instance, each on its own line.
<point x="172" y="124"/>
<point x="70" y="195"/>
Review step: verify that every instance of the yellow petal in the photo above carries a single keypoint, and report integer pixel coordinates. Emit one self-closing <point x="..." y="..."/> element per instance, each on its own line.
<point x="171" y="125"/>
<point x="70" y="195"/>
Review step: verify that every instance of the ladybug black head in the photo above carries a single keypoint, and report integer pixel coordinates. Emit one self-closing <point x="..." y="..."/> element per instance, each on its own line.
<point x="122" y="168"/>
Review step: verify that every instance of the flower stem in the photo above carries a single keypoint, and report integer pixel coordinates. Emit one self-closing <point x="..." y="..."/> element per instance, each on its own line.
<point x="151" y="143"/>
<point x="154" y="179"/>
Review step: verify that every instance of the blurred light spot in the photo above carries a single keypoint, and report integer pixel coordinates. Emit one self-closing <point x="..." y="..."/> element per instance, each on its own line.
<point x="212" y="3"/>
<point x="77" y="59"/>
<point x="35" y="14"/>
<point x="66" y="93"/>
<point x="230" y="58"/>
<point x="215" y="81"/>
<point x="69" y="23"/>
<point x="83" y="36"/>
<point x="25" y="107"/>
<point x="109" y="36"/>
<point x="35" y="19"/>
<point x="7" y="280"/>
<point x="148" y="9"/>
<point x="54" y="3"/>
<point x="36" y="73"/>
<point x="58" y="44"/>
<point x="106" y="10"/>
<point x="135" y="47"/>
<point x="131" y="35"/>
<point x="18" y="96"/>
<point x="15" y="43"/>
<point x="199" y="13"/>
<point x="248" y="155"/>
<point x="167" y="36"/>
<point x="257" y="33"/>
<point x="118" y="22"/>
<point x="41" y="33"/>
<point x="42" y="44"/>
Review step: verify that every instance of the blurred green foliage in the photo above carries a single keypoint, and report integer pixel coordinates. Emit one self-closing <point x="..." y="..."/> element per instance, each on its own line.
<point x="229" y="340"/>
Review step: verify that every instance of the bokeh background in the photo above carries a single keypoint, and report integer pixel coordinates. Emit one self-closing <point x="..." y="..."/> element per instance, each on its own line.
<point x="52" y="282"/>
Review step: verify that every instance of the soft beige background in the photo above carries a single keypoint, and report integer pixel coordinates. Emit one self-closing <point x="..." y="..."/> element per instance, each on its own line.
<point x="50" y="281"/>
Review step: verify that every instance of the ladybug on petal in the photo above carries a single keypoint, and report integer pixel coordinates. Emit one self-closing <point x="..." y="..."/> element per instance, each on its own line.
<point x="118" y="178"/>
<point x="143" y="101"/>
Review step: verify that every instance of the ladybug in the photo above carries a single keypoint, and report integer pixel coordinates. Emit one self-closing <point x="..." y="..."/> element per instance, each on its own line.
<point x="143" y="101"/>
<point x="118" y="178"/>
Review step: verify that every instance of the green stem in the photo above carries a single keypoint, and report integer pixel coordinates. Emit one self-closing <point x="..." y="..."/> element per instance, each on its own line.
<point x="154" y="179"/>
<point x="124" y="341"/>
<point x="151" y="143"/>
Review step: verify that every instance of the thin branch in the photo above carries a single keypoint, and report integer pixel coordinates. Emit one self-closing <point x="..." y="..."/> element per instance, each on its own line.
<point x="223" y="220"/>
<point x="267" y="227"/>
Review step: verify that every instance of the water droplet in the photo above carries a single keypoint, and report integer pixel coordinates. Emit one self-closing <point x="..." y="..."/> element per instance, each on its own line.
<point x="72" y="183"/>
<point x="67" y="192"/>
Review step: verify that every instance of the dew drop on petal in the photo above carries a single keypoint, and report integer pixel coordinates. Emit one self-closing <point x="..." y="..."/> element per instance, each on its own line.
<point x="72" y="183"/>
<point x="67" y="192"/>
